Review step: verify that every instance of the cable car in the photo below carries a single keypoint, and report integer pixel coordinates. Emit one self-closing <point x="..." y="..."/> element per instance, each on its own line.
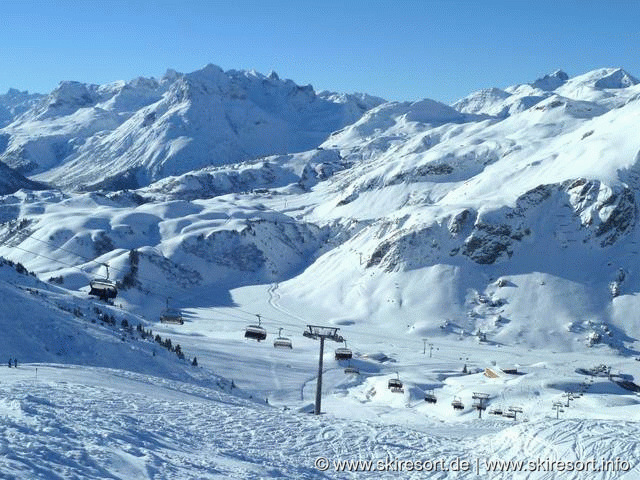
<point x="256" y="332"/>
<point x="282" y="342"/>
<point x="457" y="404"/>
<point x="103" y="289"/>
<point x="430" y="397"/>
<point x="343" y="353"/>
<point x="495" y="411"/>
<point x="395" y="384"/>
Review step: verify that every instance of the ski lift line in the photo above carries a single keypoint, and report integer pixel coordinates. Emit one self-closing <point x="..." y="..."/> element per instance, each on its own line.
<point x="145" y="279"/>
<point x="68" y="264"/>
<point x="44" y="256"/>
<point x="267" y="318"/>
<point x="90" y="260"/>
<point x="121" y="270"/>
<point x="60" y="248"/>
<point x="252" y="315"/>
<point x="140" y="277"/>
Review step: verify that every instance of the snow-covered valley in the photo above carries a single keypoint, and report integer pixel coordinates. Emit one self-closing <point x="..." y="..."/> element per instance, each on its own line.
<point x="488" y="247"/>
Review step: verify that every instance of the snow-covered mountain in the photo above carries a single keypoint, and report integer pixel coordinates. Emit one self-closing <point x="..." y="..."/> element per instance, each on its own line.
<point x="417" y="189"/>
<point x="16" y="102"/>
<point x="502" y="229"/>
<point x="11" y="181"/>
<point x="126" y="134"/>
<point x="608" y="87"/>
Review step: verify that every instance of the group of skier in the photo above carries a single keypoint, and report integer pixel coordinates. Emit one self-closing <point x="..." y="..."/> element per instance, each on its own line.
<point x="15" y="362"/>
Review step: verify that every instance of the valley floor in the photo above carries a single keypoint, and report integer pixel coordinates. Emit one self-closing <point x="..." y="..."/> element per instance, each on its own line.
<point x="73" y="422"/>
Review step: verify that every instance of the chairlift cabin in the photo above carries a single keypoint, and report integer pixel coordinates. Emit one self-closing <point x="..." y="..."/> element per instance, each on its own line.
<point x="103" y="289"/>
<point x="343" y="353"/>
<point x="282" y="342"/>
<point x="430" y="397"/>
<point x="395" y="384"/>
<point x="351" y="370"/>
<point x="172" y="315"/>
<point x="256" y="332"/>
<point x="457" y="404"/>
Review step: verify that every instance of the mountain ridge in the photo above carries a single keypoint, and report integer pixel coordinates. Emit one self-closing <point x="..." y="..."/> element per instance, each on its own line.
<point x="146" y="129"/>
<point x="453" y="197"/>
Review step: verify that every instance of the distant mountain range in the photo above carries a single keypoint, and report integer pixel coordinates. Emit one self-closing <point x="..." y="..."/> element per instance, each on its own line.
<point x="511" y="213"/>
<point x="127" y="134"/>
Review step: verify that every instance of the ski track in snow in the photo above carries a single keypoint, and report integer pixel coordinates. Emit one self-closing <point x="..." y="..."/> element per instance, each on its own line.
<point x="99" y="431"/>
<point x="97" y="423"/>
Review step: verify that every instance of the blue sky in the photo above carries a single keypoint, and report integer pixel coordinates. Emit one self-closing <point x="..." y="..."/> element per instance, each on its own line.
<point x="400" y="50"/>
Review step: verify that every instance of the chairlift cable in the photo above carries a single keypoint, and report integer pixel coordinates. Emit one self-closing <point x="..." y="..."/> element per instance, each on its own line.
<point x="142" y="278"/>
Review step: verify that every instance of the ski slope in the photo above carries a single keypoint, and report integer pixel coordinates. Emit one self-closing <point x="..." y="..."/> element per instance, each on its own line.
<point x="487" y="247"/>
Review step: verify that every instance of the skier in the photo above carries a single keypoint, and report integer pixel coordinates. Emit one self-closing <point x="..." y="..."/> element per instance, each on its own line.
<point x="15" y="362"/>
<point x="9" y="362"/>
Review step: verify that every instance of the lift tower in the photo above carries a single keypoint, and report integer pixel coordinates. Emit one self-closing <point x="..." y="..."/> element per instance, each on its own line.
<point x="316" y="332"/>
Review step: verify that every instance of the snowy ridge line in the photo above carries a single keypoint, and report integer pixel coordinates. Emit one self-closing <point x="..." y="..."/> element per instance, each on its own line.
<point x="143" y="278"/>
<point x="124" y="271"/>
<point x="78" y="255"/>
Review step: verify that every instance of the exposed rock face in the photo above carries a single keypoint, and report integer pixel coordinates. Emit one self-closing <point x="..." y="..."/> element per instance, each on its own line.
<point x="596" y="213"/>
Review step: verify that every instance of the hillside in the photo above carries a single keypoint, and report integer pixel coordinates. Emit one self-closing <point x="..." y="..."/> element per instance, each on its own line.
<point x="542" y="200"/>
<point x="486" y="247"/>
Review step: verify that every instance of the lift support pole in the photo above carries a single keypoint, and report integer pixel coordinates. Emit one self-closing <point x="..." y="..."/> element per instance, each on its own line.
<point x="315" y="332"/>
<point x="316" y="410"/>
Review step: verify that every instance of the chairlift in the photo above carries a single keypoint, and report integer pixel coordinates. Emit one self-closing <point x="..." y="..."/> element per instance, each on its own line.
<point x="495" y="411"/>
<point x="351" y="370"/>
<point x="343" y="353"/>
<point x="171" y="315"/>
<point x="457" y="404"/>
<point x="430" y="397"/>
<point x="103" y="289"/>
<point x="282" y="342"/>
<point x="395" y="384"/>
<point x="256" y="332"/>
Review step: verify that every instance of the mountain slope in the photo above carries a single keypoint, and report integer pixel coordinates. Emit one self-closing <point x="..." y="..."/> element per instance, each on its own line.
<point x="129" y="134"/>
<point x="11" y="181"/>
<point x="411" y="196"/>
<point x="14" y="103"/>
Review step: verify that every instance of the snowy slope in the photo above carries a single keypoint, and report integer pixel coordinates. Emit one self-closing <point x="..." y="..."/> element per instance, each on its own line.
<point x="447" y="243"/>
<point x="410" y="194"/>
<point x="14" y="103"/>
<point x="91" y="401"/>
<point x="78" y="423"/>
<point x="42" y="322"/>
